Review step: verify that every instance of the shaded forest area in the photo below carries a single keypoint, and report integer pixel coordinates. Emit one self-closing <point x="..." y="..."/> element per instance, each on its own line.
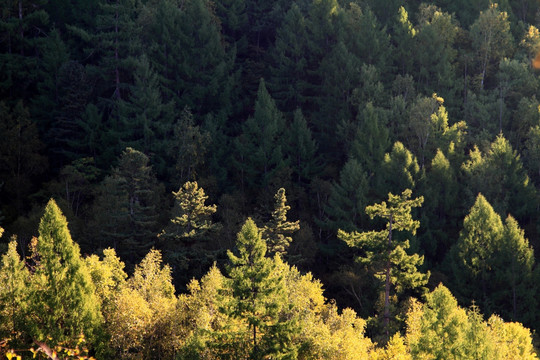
<point x="159" y="127"/>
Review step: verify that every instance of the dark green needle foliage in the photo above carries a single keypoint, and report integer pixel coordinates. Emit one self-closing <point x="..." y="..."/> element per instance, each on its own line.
<point x="385" y="252"/>
<point x="258" y="296"/>
<point x="277" y="232"/>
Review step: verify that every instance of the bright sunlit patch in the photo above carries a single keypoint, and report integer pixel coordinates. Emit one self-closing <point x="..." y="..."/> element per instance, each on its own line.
<point x="536" y="61"/>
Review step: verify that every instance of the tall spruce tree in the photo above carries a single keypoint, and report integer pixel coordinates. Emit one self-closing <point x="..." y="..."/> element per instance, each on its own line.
<point x="277" y="232"/>
<point x="61" y="303"/>
<point x="127" y="207"/>
<point x="259" y="154"/>
<point x="494" y="265"/>
<point x="186" y="240"/>
<point x="385" y="253"/>
<point x="258" y="296"/>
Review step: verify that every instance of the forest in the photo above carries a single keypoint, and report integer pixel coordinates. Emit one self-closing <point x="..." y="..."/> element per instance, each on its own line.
<point x="269" y="179"/>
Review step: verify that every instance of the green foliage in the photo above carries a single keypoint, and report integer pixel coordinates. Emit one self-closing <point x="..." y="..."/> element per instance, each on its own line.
<point x="14" y="277"/>
<point x="258" y="297"/>
<point x="187" y="239"/>
<point x="61" y="302"/>
<point x="499" y="175"/>
<point x="491" y="41"/>
<point x="486" y="262"/>
<point x="385" y="255"/>
<point x="127" y="206"/>
<point x="348" y="198"/>
<point x="277" y="231"/>
<point x="259" y="155"/>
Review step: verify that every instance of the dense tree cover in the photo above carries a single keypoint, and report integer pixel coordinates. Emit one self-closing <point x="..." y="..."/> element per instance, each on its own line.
<point x="108" y="106"/>
<point x="55" y="304"/>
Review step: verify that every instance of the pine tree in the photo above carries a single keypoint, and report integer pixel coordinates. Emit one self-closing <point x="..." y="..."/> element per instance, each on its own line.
<point x="187" y="52"/>
<point x="439" y="215"/>
<point x="277" y="231"/>
<point x="14" y="277"/>
<point x="301" y="150"/>
<point x="127" y="206"/>
<point x="186" y="241"/>
<point x="491" y="40"/>
<point x="288" y="68"/>
<point x="145" y="119"/>
<point x="471" y="257"/>
<point x="61" y="304"/>
<point x="399" y="170"/>
<point x="385" y="253"/>
<point x="348" y="198"/>
<point x="189" y="147"/>
<point x="372" y="139"/>
<point x="258" y="296"/>
<point x="499" y="175"/>
<point x="259" y="148"/>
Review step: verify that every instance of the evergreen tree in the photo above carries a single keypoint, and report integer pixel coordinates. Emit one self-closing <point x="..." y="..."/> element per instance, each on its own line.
<point x="399" y="170"/>
<point x="288" y="69"/>
<point x="386" y="254"/>
<point x="514" y="265"/>
<point x="187" y="52"/>
<point x="21" y="161"/>
<point x="301" y="150"/>
<point x="491" y="40"/>
<point x="127" y="206"/>
<point x="372" y="139"/>
<point x="440" y="214"/>
<point x="258" y="296"/>
<point x="145" y="119"/>
<point x="14" y="277"/>
<point x="189" y="147"/>
<point x="348" y="198"/>
<point x="66" y="133"/>
<point x="61" y="303"/>
<point x="259" y="148"/>
<point x="499" y="175"/>
<point x="435" y="56"/>
<point x="277" y="231"/>
<point x="186" y="240"/>
<point x="471" y="257"/>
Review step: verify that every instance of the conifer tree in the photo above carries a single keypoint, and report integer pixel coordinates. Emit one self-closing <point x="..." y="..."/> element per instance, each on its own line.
<point x="14" y="277"/>
<point x="189" y="147"/>
<point x="145" y="118"/>
<point x="439" y="215"/>
<point x="61" y="303"/>
<point x="348" y="198"/>
<point x="386" y="252"/>
<point x="127" y="206"/>
<point x="259" y="147"/>
<point x="301" y="150"/>
<point x="372" y="139"/>
<point x="186" y="240"/>
<point x="258" y="296"/>
<point x="494" y="265"/>
<point x="288" y="69"/>
<point x="499" y="175"/>
<point x="398" y="170"/>
<point x="277" y="231"/>
<point x="471" y="257"/>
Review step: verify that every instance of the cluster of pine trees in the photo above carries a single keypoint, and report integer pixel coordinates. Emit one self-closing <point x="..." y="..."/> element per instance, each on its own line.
<point x="59" y="305"/>
<point x="160" y="126"/>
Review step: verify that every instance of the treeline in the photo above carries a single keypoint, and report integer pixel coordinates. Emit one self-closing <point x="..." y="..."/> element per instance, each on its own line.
<point x="59" y="305"/>
<point x="111" y="106"/>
